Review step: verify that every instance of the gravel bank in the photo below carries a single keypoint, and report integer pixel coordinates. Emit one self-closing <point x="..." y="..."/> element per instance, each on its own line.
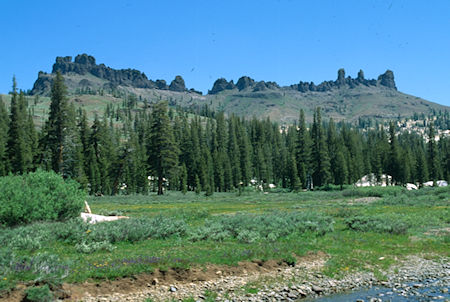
<point x="302" y="281"/>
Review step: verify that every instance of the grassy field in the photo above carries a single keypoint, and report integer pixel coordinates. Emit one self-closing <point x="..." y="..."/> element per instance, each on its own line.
<point x="355" y="227"/>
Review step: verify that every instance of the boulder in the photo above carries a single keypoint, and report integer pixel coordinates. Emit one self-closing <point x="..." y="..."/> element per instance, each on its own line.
<point x="410" y="187"/>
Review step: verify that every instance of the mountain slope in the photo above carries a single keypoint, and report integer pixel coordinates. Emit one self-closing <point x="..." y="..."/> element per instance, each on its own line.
<point x="346" y="98"/>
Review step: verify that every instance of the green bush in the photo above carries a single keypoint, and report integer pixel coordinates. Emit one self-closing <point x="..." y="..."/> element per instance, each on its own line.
<point x="28" y="237"/>
<point x="42" y="267"/>
<point x="424" y="196"/>
<point x="89" y="238"/>
<point x="382" y="223"/>
<point x="38" y="196"/>
<point x="373" y="191"/>
<point x="250" y="228"/>
<point x="39" y="294"/>
<point x="136" y="229"/>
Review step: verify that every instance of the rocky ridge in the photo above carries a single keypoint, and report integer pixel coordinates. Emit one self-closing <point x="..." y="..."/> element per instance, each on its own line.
<point x="386" y="80"/>
<point x="84" y="64"/>
<point x="345" y="98"/>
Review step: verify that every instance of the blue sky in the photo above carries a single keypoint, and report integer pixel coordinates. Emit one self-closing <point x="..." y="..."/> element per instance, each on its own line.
<point x="283" y="41"/>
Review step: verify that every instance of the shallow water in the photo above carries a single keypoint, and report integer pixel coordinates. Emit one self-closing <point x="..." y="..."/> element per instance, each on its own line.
<point x="430" y="293"/>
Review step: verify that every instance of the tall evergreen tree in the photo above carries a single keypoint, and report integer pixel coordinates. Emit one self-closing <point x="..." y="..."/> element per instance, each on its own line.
<point x="4" y="122"/>
<point x="320" y="158"/>
<point x="93" y="173"/>
<point x="33" y="141"/>
<point x="332" y="143"/>
<point x="303" y="151"/>
<point x="421" y="167"/>
<point x="341" y="172"/>
<point x="104" y="155"/>
<point x="19" y="150"/>
<point x="161" y="149"/>
<point x="183" y="183"/>
<point x="294" y="180"/>
<point x="433" y="156"/>
<point x="394" y="156"/>
<point x="245" y="154"/>
<point x="233" y="152"/>
<point x="62" y="150"/>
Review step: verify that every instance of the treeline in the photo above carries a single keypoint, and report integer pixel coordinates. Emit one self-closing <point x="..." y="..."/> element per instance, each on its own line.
<point x="136" y="151"/>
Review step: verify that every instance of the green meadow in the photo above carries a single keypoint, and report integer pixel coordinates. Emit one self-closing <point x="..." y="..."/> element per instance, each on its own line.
<point x="354" y="227"/>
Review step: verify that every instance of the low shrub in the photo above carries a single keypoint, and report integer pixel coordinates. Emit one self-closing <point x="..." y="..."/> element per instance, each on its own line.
<point x="38" y="196"/>
<point x="28" y="237"/>
<point x="373" y="191"/>
<point x="136" y="229"/>
<point x="382" y="223"/>
<point x="27" y="242"/>
<point x="250" y="228"/>
<point x="42" y="267"/>
<point x="424" y="196"/>
<point x="39" y="294"/>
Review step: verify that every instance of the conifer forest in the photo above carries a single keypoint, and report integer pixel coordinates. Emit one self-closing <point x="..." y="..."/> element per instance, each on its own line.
<point x="131" y="150"/>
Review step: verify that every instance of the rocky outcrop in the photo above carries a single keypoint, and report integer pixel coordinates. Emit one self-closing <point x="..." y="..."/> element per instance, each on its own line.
<point x="43" y="83"/>
<point x="161" y="84"/>
<point x="387" y="79"/>
<point x="242" y="84"/>
<point x="84" y="64"/>
<point x="221" y="85"/>
<point x="245" y="82"/>
<point x="341" y="77"/>
<point x="177" y="84"/>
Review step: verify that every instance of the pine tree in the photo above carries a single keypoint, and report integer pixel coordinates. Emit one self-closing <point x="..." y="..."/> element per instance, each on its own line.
<point x="303" y="151"/>
<point x="72" y="153"/>
<point x="433" y="156"/>
<point x="198" y="186"/>
<point x="294" y="181"/>
<point x="446" y="158"/>
<point x="62" y="149"/>
<point x="320" y="158"/>
<point x="4" y="121"/>
<point x="161" y="149"/>
<point x="219" y="178"/>
<point x="354" y="146"/>
<point x="183" y="184"/>
<point x="333" y="150"/>
<point x="93" y="173"/>
<point x="245" y="154"/>
<point x="341" y="171"/>
<point x="233" y="152"/>
<point x="421" y="167"/>
<point x="19" y="151"/>
<point x="102" y="140"/>
<point x="33" y="141"/>
<point x="84" y="134"/>
<point x="394" y="157"/>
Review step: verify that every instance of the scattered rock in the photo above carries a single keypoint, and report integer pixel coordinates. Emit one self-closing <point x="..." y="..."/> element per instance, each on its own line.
<point x="317" y="289"/>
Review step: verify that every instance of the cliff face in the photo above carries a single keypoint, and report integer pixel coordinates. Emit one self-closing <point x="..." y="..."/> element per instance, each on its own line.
<point x="86" y="65"/>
